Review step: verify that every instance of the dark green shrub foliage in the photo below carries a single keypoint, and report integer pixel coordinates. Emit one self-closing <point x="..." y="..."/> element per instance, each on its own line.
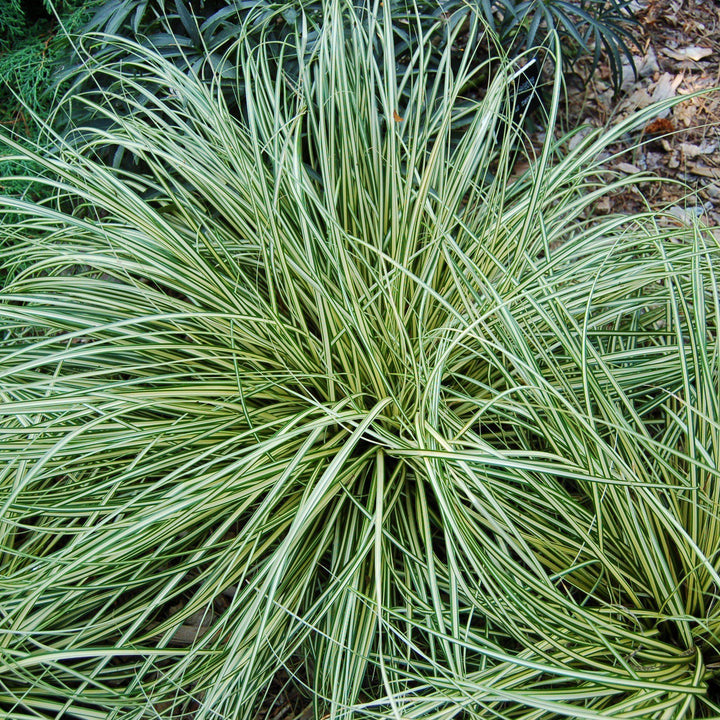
<point x="33" y="50"/>
<point x="12" y="21"/>
<point x="586" y="26"/>
<point x="195" y="34"/>
<point x="30" y="50"/>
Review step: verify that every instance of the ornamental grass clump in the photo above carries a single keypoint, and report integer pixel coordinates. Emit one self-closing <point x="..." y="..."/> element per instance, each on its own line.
<point x="326" y="397"/>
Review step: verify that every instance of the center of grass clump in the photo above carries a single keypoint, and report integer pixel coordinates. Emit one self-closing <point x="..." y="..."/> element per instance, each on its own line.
<point x="346" y="330"/>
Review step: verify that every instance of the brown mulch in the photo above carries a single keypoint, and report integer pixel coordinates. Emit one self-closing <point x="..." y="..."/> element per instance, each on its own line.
<point x="677" y="54"/>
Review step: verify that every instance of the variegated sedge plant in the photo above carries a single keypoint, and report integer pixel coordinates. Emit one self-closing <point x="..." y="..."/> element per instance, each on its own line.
<point x="325" y="395"/>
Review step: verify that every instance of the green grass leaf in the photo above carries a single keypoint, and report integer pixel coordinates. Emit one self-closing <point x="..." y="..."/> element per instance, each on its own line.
<point x="326" y="393"/>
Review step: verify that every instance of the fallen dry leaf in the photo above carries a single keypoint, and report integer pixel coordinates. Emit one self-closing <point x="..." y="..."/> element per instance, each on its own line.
<point x="660" y="126"/>
<point x="705" y="171"/>
<point x="637" y="100"/>
<point x="666" y="86"/>
<point x="627" y="168"/>
<point x="690" y="151"/>
<point x="603" y="206"/>
<point x="694" y="52"/>
<point x="685" y="113"/>
<point x="648" y="66"/>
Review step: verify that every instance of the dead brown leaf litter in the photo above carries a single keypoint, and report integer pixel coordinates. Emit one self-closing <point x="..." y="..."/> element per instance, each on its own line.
<point x="677" y="53"/>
